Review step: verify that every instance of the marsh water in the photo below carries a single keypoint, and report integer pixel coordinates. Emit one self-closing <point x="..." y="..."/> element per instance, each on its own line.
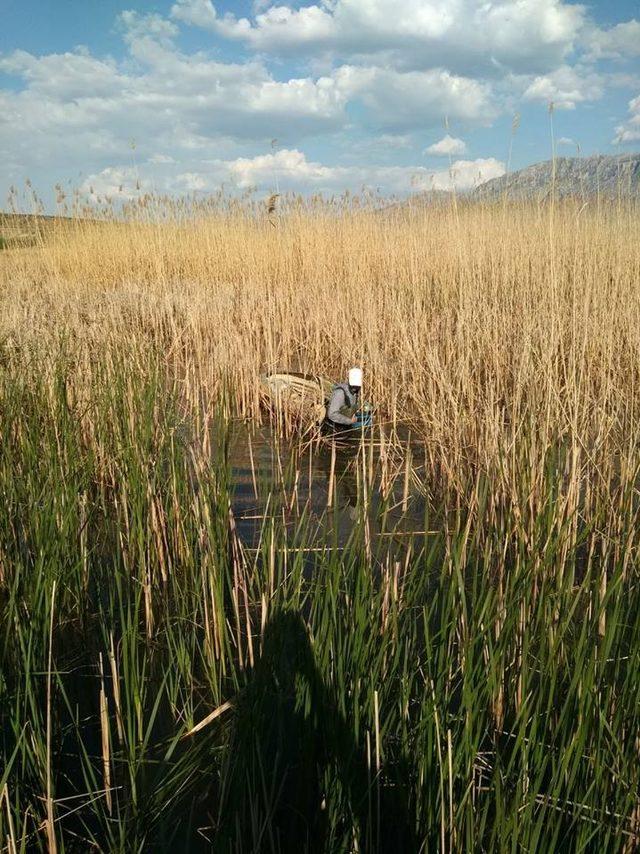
<point x="334" y="486"/>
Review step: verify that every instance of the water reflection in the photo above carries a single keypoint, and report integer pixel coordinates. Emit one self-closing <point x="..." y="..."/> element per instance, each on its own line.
<point x="337" y="485"/>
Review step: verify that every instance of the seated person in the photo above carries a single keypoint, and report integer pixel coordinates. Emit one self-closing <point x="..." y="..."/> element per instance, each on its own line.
<point x="343" y="403"/>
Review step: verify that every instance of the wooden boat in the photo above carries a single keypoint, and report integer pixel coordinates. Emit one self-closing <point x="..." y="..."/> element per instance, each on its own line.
<point x="300" y="395"/>
<point x="302" y="399"/>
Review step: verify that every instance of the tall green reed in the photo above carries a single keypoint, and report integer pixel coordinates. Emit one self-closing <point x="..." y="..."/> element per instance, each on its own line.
<point x="473" y="690"/>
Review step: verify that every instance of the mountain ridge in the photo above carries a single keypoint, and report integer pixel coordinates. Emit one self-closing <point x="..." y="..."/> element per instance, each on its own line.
<point x="608" y="175"/>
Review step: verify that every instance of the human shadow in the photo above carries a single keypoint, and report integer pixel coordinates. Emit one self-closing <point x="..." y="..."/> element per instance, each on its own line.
<point x="288" y="733"/>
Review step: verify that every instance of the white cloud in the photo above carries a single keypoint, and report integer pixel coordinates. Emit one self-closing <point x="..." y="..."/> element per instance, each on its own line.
<point x="565" y="87"/>
<point x="525" y="35"/>
<point x="76" y="109"/>
<point x="619" y="42"/>
<point x="116" y="182"/>
<point x="310" y="24"/>
<point x="183" y="110"/>
<point x="630" y="130"/>
<point x="293" y="170"/>
<point x="198" y="13"/>
<point x="189" y="182"/>
<point x="289" y="169"/>
<point x="447" y="146"/>
<point x="153" y="26"/>
<point x="377" y="74"/>
<point x="463" y="175"/>
<point x="289" y="166"/>
<point x="67" y="76"/>
<point x="398" y="101"/>
<point x="567" y="141"/>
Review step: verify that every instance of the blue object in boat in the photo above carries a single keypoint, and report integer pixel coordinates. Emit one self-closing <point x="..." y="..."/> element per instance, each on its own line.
<point x="363" y="419"/>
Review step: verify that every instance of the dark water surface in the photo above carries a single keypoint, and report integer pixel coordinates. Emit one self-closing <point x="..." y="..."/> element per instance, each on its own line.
<point x="294" y="478"/>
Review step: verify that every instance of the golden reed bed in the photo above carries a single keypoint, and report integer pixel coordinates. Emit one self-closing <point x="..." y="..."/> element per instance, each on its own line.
<point x="473" y="322"/>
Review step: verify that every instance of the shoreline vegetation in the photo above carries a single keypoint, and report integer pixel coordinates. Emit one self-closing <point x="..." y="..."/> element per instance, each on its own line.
<point x="165" y="687"/>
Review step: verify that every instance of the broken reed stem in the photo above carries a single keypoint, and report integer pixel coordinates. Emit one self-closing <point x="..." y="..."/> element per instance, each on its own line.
<point x="51" y="836"/>
<point x="253" y="468"/>
<point x="452" y="826"/>
<point x="105" y="739"/>
<point x="115" y="681"/>
<point x="376" y="711"/>
<point x="332" y="474"/>
<point x="220" y="710"/>
<point x="11" y="835"/>
<point x="602" y="619"/>
<point x="407" y="477"/>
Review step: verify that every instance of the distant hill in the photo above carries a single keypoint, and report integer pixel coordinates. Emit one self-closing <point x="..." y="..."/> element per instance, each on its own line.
<point x="22" y="229"/>
<point x="19" y="230"/>
<point x="416" y="201"/>
<point x="608" y="175"/>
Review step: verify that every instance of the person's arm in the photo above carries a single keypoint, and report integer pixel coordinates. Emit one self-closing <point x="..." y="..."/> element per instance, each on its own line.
<point x="336" y="402"/>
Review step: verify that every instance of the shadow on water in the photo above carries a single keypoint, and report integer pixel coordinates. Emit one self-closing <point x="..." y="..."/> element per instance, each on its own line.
<point x="289" y="731"/>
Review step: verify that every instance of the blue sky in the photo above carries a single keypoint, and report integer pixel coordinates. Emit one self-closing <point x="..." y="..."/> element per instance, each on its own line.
<point x="117" y="97"/>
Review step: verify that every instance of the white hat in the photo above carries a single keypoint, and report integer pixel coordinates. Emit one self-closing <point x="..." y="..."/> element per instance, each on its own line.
<point x="355" y="377"/>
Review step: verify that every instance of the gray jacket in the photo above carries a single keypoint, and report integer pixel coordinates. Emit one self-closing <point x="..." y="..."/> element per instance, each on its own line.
<point x="342" y="404"/>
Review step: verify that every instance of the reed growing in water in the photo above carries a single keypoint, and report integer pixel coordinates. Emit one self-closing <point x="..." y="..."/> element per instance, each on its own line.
<point x="165" y="687"/>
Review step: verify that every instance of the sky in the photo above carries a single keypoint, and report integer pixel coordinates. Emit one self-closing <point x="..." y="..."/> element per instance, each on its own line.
<point x="121" y="97"/>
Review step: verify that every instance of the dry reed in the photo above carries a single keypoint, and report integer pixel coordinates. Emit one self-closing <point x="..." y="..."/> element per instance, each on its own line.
<point x="472" y="323"/>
